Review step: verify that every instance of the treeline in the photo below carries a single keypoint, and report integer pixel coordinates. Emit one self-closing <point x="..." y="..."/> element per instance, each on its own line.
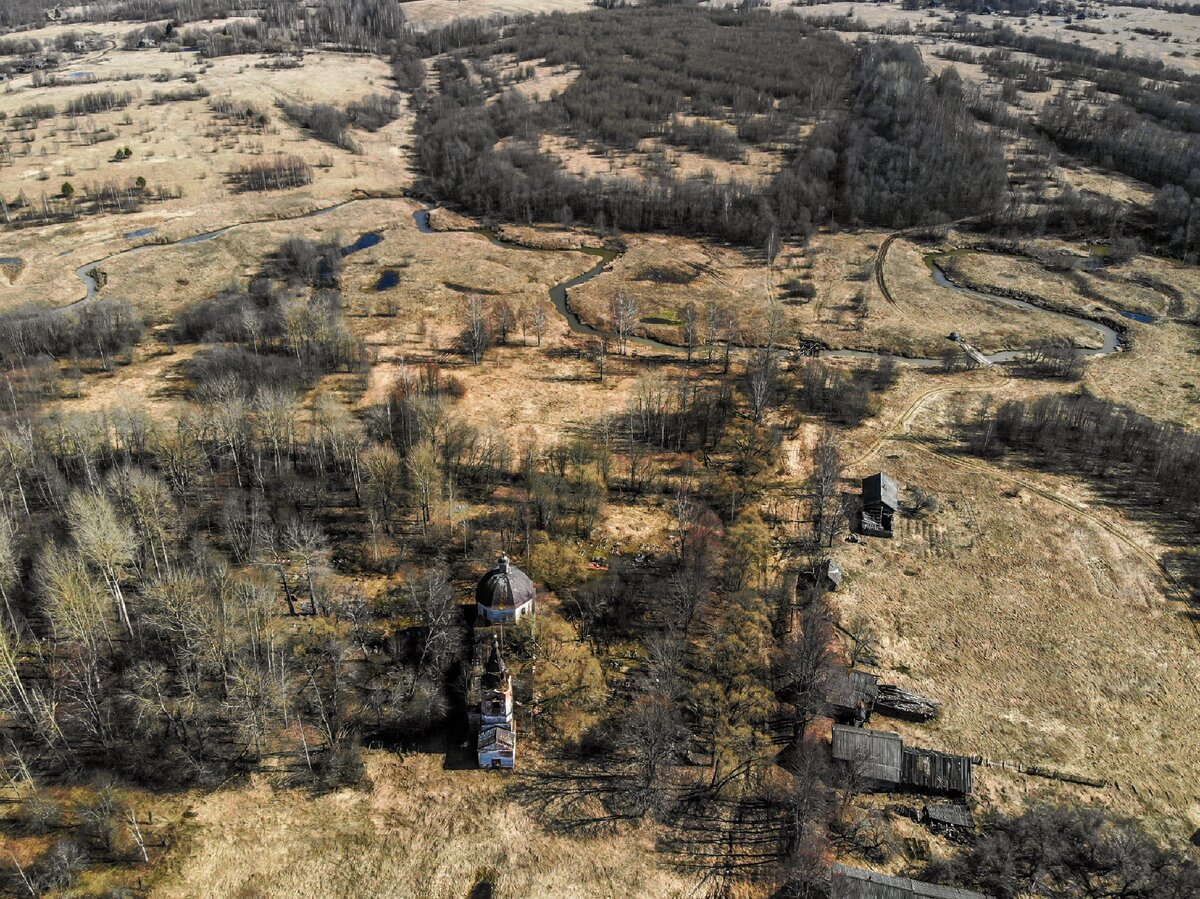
<point x="1069" y="852"/>
<point x="98" y="101"/>
<point x="35" y="342"/>
<point x="1119" y="138"/>
<point x="907" y="152"/>
<point x="632" y="80"/>
<point x="332" y="125"/>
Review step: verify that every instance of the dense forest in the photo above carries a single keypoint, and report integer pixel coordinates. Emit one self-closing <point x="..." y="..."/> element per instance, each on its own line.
<point x="763" y="80"/>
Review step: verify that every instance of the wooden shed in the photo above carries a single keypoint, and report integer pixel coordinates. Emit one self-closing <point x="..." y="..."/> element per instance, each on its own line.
<point x="880" y="502"/>
<point x="851" y="695"/>
<point x="936" y="772"/>
<point x="876" y="755"/>
<point x="859" y="883"/>
<point x="950" y="820"/>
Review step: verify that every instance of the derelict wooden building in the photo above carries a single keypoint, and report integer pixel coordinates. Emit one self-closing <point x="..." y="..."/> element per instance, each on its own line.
<point x="882" y="759"/>
<point x="880" y="502"/>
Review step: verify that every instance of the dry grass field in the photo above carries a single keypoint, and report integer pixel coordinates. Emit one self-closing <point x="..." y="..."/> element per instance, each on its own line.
<point x="183" y="147"/>
<point x="420" y="832"/>
<point x="1005" y="605"/>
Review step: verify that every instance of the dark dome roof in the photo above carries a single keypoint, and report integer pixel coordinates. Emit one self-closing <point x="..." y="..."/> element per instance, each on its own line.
<point x="504" y="587"/>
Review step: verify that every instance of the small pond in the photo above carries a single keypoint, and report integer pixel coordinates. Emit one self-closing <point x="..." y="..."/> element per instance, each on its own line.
<point x="140" y="232"/>
<point x="368" y="240"/>
<point x="388" y="279"/>
<point x="10" y="260"/>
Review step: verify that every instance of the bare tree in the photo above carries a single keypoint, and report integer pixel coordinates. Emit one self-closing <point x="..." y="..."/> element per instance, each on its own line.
<point x="105" y="542"/>
<point x="623" y="310"/>
<point x="476" y="335"/>
<point x="597" y="351"/>
<point x="690" y="328"/>
<point x="539" y="322"/>
<point x="824" y="489"/>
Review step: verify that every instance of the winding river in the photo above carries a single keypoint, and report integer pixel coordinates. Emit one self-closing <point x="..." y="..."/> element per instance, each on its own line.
<point x="559" y="293"/>
<point x="559" y="296"/>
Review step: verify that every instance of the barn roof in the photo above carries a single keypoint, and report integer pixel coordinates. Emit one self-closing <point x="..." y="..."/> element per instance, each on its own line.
<point x="876" y="754"/>
<point x="879" y="489"/>
<point x="951" y="813"/>
<point x="498" y="738"/>
<point x="859" y="883"/>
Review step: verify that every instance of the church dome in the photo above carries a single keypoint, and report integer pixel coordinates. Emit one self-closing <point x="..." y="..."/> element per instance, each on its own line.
<point x="504" y="587"/>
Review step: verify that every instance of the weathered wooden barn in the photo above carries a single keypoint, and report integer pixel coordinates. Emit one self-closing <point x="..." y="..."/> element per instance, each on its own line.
<point x="881" y="759"/>
<point x="929" y="771"/>
<point x="880" y="502"/>
<point x="948" y="819"/>
<point x="848" y="882"/>
<point x="877" y="756"/>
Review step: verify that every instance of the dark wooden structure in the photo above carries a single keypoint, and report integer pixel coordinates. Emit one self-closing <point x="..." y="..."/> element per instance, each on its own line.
<point x="883" y="761"/>
<point x="930" y="771"/>
<point x="850" y="696"/>
<point x="948" y="819"/>
<point x="875" y="756"/>
<point x="829" y="574"/>
<point x="848" y="882"/>
<point x="896" y="702"/>
<point x="880" y="502"/>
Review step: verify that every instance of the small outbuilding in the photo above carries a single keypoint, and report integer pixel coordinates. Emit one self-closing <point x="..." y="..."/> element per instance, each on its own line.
<point x="829" y="574"/>
<point x="948" y="819"/>
<point x="849" y="882"/>
<point x="880" y="502"/>
<point x="930" y="771"/>
<point x="505" y="594"/>
<point x="851" y="696"/>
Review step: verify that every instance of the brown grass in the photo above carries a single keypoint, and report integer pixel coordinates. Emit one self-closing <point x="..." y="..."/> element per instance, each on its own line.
<point x="1049" y="639"/>
<point x="419" y="831"/>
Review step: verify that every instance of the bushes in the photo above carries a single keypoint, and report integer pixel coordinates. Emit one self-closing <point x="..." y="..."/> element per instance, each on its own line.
<point x="326" y="122"/>
<point x="374" y="111"/>
<point x="1069" y="853"/>
<point x="101" y="327"/>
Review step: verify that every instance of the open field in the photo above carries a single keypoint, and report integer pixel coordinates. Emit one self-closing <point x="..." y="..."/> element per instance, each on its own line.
<point x="183" y="147"/>
<point x="1015" y="634"/>
<point x="1116" y="24"/>
<point x="421" y="830"/>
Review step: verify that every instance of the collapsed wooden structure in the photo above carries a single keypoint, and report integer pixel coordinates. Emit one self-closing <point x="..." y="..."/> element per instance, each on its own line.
<point x="896" y="702"/>
<point x="848" y="882"/>
<point x="881" y="759"/>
